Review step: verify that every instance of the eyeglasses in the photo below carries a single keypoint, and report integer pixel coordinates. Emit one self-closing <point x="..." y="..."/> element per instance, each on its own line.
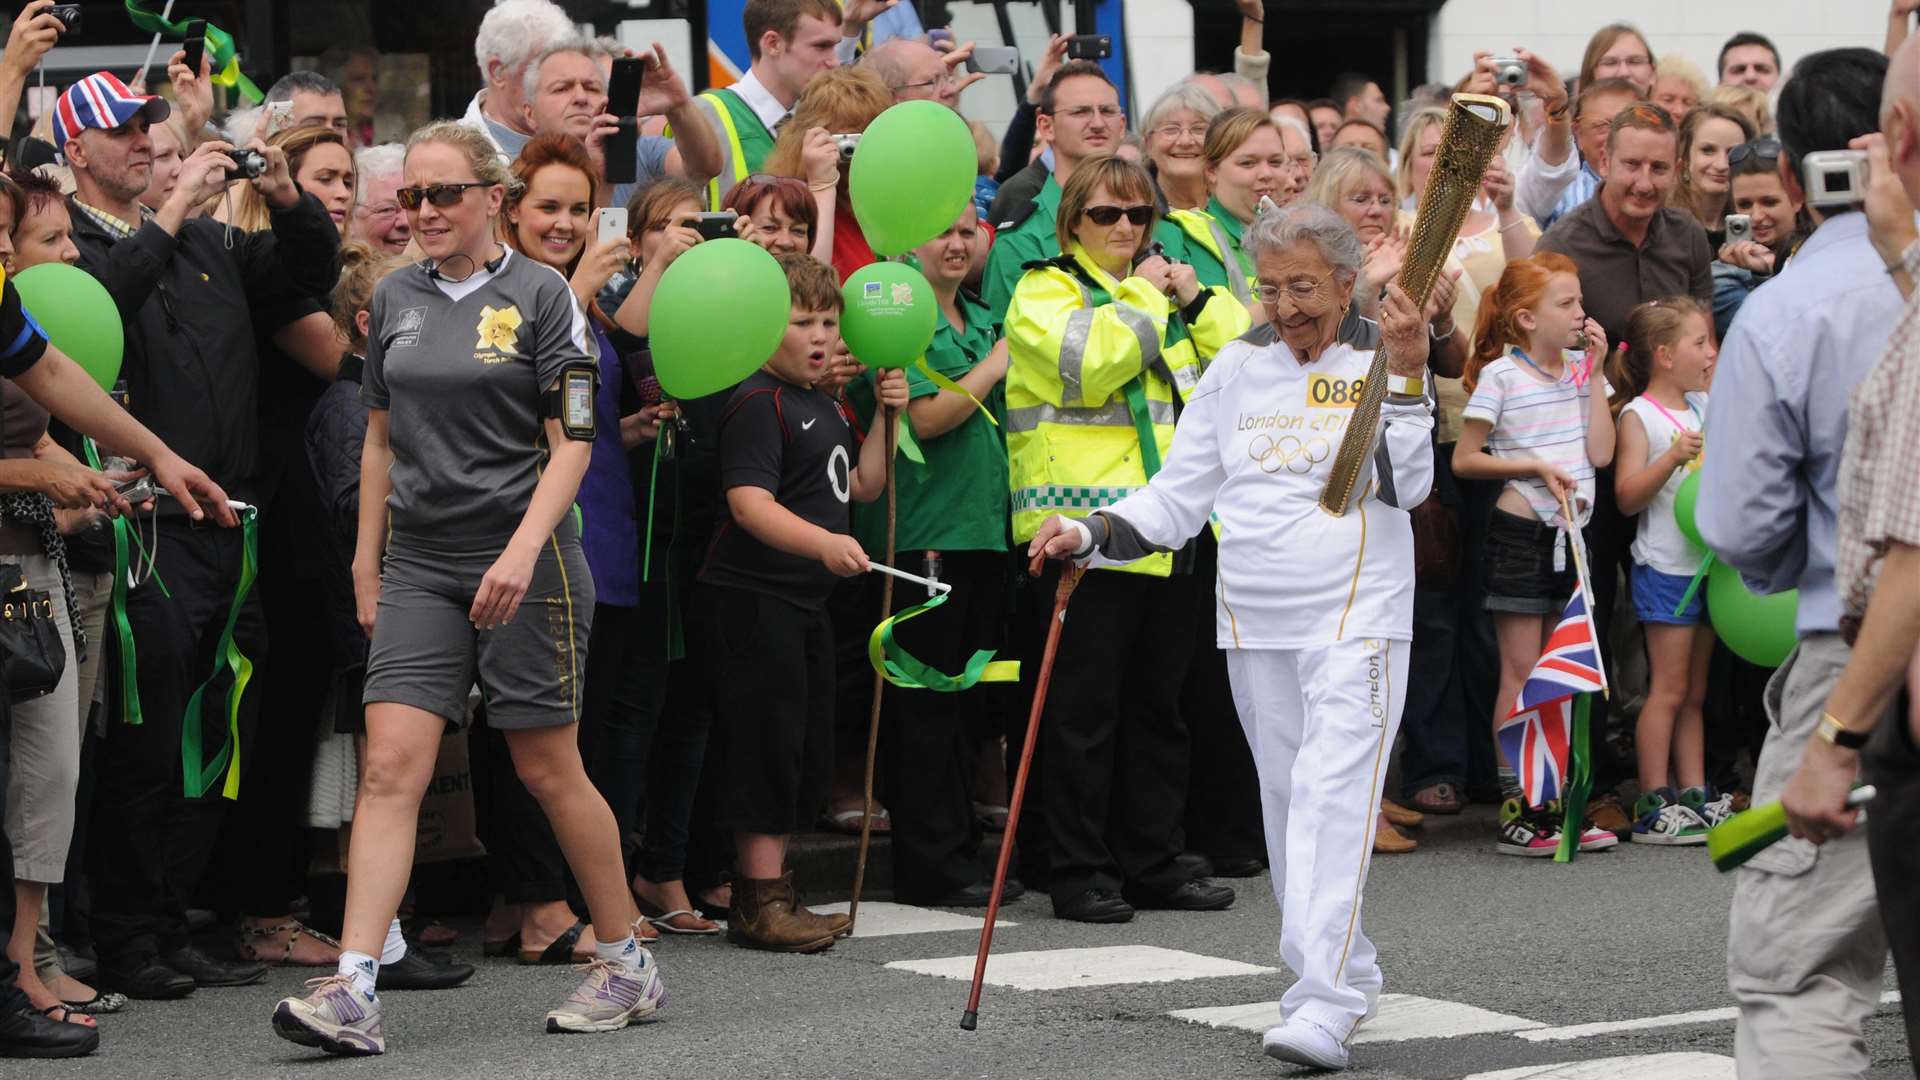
<point x="1109" y="215"/>
<point x="1362" y="199"/>
<point x="380" y="210"/>
<point x="942" y="80"/>
<point x="441" y="195"/>
<point x="1083" y="113"/>
<point x="1172" y="132"/>
<point x="1635" y="61"/>
<point x="1762" y="150"/>
<point x="1303" y="291"/>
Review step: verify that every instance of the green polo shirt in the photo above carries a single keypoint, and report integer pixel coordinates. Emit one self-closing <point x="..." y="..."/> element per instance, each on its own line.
<point x="957" y="501"/>
<point x="1207" y="267"/>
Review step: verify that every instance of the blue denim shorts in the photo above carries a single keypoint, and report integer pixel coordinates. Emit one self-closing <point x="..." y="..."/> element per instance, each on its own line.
<point x="1656" y="595"/>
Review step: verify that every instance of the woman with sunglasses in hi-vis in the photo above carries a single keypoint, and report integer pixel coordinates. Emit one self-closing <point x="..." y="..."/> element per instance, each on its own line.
<point x="480" y="387"/>
<point x="1099" y="348"/>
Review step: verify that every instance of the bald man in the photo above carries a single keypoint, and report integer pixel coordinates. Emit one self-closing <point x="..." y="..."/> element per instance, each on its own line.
<point x="913" y="71"/>
<point x="1878" y="568"/>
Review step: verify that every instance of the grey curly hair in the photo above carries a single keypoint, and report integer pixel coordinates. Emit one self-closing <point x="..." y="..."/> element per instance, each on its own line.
<point x="1277" y="230"/>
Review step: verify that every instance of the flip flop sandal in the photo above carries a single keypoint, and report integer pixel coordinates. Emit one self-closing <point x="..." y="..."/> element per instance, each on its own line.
<point x="561" y="951"/>
<point x="68" y="1017"/>
<point x="848" y="821"/>
<point x="245" y="943"/>
<point x="666" y="922"/>
<point x="433" y="933"/>
<point x="99" y="1006"/>
<point x="506" y="946"/>
<point x="644" y="931"/>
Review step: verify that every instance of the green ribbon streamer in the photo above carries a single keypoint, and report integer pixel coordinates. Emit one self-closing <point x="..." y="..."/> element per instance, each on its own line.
<point x="653" y="483"/>
<point x="220" y="48"/>
<point x="1136" y="395"/>
<point x="117" y="609"/>
<point x="1579" y="784"/>
<point x="197" y="774"/>
<point x="1693" y="586"/>
<point x="909" y="672"/>
<point x="907" y="444"/>
<point x="945" y="383"/>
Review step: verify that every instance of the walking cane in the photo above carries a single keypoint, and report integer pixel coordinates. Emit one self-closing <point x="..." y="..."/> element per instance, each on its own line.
<point x="1069" y="577"/>
<point x="879" y="684"/>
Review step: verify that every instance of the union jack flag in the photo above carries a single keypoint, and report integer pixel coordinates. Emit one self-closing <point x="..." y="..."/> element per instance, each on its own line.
<point x="1537" y="735"/>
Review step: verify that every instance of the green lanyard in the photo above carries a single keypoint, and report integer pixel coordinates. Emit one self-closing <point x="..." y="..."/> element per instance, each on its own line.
<point x="1135" y="391"/>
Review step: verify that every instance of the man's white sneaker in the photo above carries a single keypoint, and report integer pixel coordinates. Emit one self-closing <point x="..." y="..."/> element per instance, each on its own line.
<point x="1303" y="1042"/>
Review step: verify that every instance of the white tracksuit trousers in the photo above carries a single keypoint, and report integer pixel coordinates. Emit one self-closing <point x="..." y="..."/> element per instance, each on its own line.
<point x="1321" y="724"/>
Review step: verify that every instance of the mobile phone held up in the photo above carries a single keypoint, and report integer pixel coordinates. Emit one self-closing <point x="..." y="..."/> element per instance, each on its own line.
<point x="715" y="224"/>
<point x="611" y="224"/>
<point x="1089" y="47"/>
<point x="994" y="60"/>
<point x="196" y="46"/>
<point x="622" y="148"/>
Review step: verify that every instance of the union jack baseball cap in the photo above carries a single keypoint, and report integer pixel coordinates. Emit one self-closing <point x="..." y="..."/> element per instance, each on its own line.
<point x="101" y="101"/>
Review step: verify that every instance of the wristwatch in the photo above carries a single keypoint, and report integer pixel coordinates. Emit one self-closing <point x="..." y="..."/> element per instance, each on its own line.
<point x="1835" y="733"/>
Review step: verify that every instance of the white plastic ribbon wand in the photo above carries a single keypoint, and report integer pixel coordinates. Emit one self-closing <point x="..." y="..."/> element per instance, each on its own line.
<point x="915" y="578"/>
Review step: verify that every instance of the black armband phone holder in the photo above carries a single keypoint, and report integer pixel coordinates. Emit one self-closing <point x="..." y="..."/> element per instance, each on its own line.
<point x="570" y="401"/>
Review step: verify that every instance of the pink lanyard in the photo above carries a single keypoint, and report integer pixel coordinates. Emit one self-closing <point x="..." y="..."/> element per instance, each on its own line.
<point x="1673" y="419"/>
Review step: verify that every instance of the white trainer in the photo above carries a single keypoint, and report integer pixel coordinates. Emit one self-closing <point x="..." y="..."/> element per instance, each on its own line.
<point x="1303" y="1042"/>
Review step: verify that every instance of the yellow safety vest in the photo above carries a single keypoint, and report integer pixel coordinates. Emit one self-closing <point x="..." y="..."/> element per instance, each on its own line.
<point x="1074" y="437"/>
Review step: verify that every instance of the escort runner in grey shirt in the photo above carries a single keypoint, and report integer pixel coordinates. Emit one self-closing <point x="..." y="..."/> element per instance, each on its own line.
<point x="467" y="434"/>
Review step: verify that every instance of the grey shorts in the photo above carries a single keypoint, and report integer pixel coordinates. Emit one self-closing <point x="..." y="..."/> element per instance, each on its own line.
<point x="427" y="654"/>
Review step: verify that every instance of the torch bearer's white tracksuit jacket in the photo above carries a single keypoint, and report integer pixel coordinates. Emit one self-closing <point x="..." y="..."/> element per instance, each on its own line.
<point x="1315" y="613"/>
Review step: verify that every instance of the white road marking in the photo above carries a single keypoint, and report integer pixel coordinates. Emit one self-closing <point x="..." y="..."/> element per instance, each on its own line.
<point x="1614" y="1027"/>
<point x="1401" y="1017"/>
<point x="1063" y="969"/>
<point x="881" y="919"/>
<point x="1676" y="1066"/>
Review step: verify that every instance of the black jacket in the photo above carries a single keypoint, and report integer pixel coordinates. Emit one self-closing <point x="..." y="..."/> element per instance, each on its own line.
<point x="1017" y="195"/>
<point x="191" y="366"/>
<point x="336" y="430"/>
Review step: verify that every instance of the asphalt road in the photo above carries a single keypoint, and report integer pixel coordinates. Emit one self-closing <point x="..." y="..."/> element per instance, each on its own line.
<point x="1629" y="934"/>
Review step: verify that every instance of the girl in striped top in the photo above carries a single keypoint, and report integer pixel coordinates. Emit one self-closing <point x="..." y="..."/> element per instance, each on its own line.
<point x="1532" y="422"/>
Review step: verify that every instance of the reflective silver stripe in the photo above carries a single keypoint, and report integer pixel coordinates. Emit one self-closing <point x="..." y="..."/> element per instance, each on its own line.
<point x="1067" y="497"/>
<point x="1143" y="328"/>
<point x="1113" y="414"/>
<point x="1073" y="353"/>
<point x="1236" y="281"/>
<point x="1185" y="378"/>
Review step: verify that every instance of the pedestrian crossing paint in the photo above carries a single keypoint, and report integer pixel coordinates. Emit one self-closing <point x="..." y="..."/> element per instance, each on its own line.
<point x="1615" y="1027"/>
<point x="881" y="919"/>
<point x="1066" y="969"/>
<point x="1401" y="1017"/>
<point x="1676" y="1066"/>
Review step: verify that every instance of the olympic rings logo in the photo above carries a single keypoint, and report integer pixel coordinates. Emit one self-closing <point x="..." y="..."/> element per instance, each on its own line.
<point x="1287" y="452"/>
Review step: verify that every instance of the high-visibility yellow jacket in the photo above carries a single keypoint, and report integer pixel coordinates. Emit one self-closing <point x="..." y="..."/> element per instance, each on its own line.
<point x="745" y="142"/>
<point x="1094" y="387"/>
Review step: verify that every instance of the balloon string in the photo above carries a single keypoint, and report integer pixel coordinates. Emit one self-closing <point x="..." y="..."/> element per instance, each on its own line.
<point x="1694" y="585"/>
<point x="653" y="485"/>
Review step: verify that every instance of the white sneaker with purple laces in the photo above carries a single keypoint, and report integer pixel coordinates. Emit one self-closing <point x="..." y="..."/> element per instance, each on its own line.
<point x="334" y="1016"/>
<point x="612" y="996"/>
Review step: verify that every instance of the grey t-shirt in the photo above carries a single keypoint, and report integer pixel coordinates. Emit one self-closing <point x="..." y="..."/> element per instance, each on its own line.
<point x="461" y="367"/>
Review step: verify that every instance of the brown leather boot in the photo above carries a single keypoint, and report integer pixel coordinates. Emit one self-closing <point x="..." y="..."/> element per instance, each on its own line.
<point x="837" y="925"/>
<point x="763" y="917"/>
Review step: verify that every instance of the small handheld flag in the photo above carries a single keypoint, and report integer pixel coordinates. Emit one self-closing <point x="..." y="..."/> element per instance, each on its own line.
<point x="1537" y="735"/>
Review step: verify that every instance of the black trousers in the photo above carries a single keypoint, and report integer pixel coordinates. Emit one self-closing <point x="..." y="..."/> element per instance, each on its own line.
<point x="151" y="844"/>
<point x="11" y="999"/>
<point x="523" y="856"/>
<point x="1891" y="763"/>
<point x="1223" y="795"/>
<point x="621" y="701"/>
<point x="933" y="738"/>
<point x="1117" y="748"/>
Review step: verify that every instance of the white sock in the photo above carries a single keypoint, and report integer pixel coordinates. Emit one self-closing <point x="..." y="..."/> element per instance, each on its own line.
<point x="364" y="970"/>
<point x="625" y="953"/>
<point x="395" y="949"/>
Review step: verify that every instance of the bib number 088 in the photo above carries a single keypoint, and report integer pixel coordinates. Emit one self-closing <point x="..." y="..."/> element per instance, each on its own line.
<point x="1329" y="392"/>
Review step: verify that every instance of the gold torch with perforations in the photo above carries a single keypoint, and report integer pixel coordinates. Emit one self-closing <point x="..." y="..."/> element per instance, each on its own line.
<point x="1468" y="142"/>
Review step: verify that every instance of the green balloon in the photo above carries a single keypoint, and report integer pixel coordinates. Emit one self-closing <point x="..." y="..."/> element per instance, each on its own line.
<point x="1684" y="502"/>
<point x="890" y="314"/>
<point x="1759" y="629"/>
<point x="718" y="314"/>
<point x="912" y="174"/>
<point x="79" y="316"/>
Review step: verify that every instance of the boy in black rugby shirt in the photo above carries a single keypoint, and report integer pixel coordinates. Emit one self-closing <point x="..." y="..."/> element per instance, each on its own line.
<point x="789" y="463"/>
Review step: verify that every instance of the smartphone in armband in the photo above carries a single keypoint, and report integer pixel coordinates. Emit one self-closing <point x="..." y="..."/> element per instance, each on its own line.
<point x="571" y="402"/>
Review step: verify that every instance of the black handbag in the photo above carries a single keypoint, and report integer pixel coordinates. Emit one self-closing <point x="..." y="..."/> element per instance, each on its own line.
<point x="30" y="649"/>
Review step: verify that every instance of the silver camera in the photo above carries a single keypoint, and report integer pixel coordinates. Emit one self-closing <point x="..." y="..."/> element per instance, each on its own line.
<point x="1835" y="177"/>
<point x="1739" y="228"/>
<point x="1509" y="71"/>
<point x="847" y="144"/>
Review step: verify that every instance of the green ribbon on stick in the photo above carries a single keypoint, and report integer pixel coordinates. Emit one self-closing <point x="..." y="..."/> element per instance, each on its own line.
<point x="909" y="672"/>
<point x="198" y="774"/>
<point x="1580" y="782"/>
<point x="117" y="611"/>
<point x="224" y="56"/>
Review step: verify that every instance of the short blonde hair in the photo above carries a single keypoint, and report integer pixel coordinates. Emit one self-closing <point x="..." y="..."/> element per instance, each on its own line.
<point x="1416" y="127"/>
<point x="1675" y="66"/>
<point x="1340" y="171"/>
<point x="487" y="165"/>
<point x="1120" y="176"/>
<point x="1746" y="101"/>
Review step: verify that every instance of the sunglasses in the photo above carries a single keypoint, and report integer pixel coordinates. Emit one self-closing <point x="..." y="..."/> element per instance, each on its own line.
<point x="1109" y="215"/>
<point x="441" y="195"/>
<point x="1762" y="150"/>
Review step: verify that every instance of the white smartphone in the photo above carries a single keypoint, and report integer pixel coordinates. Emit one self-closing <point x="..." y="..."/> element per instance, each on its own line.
<point x="612" y="224"/>
<point x="279" y="117"/>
